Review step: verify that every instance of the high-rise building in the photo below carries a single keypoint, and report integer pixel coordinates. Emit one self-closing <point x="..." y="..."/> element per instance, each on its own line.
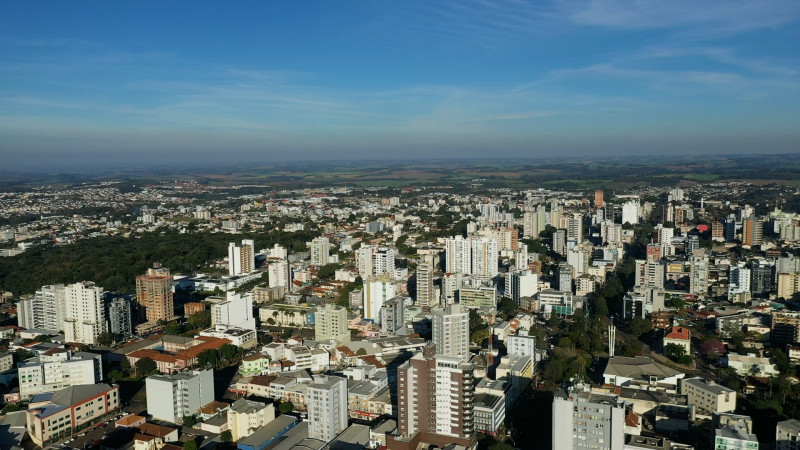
<point x="85" y="315"/>
<point x="49" y="373"/>
<point x="241" y="258"/>
<point x="435" y="396"/>
<point x="278" y="273"/>
<point x="458" y="254"/>
<point x="575" y="228"/>
<point x="173" y="397"/>
<point x="327" y="407"/>
<point x="598" y="198"/>
<point x="118" y="313"/>
<point x="425" y="293"/>
<point x="521" y="257"/>
<point x="383" y="261"/>
<point x="762" y="277"/>
<point x="717" y="231"/>
<point x="583" y="419"/>
<point x="451" y="283"/>
<point x="320" y="249"/>
<point x="563" y="277"/>
<point x="521" y="283"/>
<point x="235" y="311"/>
<point x="698" y="273"/>
<point x="44" y="311"/>
<point x="738" y="280"/>
<point x="377" y="291"/>
<point x="630" y="212"/>
<point x="393" y="316"/>
<point x="331" y="323"/>
<point x="154" y="295"/>
<point x="752" y="231"/>
<point x="451" y="330"/>
<point x="559" y="242"/>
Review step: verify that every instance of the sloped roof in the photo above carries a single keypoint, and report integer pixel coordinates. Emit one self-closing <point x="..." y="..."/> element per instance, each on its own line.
<point x="638" y="367"/>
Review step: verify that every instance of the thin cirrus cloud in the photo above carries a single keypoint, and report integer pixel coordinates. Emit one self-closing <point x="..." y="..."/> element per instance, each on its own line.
<point x="454" y="75"/>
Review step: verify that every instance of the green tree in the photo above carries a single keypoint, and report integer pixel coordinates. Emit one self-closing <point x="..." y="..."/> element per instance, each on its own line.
<point x="285" y="407"/>
<point x="227" y="352"/>
<point x="640" y="326"/>
<point x="116" y="375"/>
<point x="327" y="271"/>
<point x="125" y="365"/>
<point x="145" y="367"/>
<point x="105" y="338"/>
<point x="677" y="353"/>
<point x="476" y="322"/>
<point x="226" y="436"/>
<point x="480" y="335"/>
<point x="189" y="421"/>
<point x="11" y="407"/>
<point x="208" y="357"/>
<point x="173" y="328"/>
<point x="200" y="319"/>
<point x="361" y="352"/>
<point x="190" y="445"/>
<point x="781" y="361"/>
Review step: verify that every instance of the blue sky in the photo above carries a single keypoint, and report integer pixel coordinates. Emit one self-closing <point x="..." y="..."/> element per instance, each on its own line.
<point x="119" y="81"/>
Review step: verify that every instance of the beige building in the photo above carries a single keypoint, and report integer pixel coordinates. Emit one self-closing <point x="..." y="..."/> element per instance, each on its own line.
<point x="69" y="411"/>
<point x="245" y="417"/>
<point x="708" y="396"/>
<point x="331" y="323"/>
<point x="154" y="294"/>
<point x="788" y="284"/>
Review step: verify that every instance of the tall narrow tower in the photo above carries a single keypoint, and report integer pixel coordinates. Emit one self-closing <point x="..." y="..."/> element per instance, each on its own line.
<point x="612" y="337"/>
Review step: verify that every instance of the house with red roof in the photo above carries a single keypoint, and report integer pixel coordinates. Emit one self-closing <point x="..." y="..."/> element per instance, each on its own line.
<point x="678" y="336"/>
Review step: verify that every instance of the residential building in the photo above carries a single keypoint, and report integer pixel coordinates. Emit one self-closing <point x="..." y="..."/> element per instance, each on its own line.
<point x="583" y="419"/>
<point x="563" y="277"/>
<point x="173" y="397"/>
<point x="84" y="317"/>
<point x="708" y="396"/>
<point x="752" y="231"/>
<point x="377" y="291"/>
<point x="698" y="273"/>
<point x="484" y="258"/>
<point x="458" y="255"/>
<point x="256" y="364"/>
<point x="320" y="249"/>
<point x="56" y="369"/>
<point x="120" y="320"/>
<point x="6" y="362"/>
<point x="521" y="345"/>
<point x="630" y="212"/>
<point x="234" y="311"/>
<point x="52" y="417"/>
<point x="680" y="336"/>
<point x="393" y="316"/>
<point x="451" y="330"/>
<point x="749" y="365"/>
<point x="787" y="435"/>
<point x="734" y="432"/>
<point x="241" y="258"/>
<point x="331" y="323"/>
<point x="278" y="273"/>
<point x="521" y="283"/>
<point x="435" y="397"/>
<point x="245" y="417"/>
<point x="154" y="295"/>
<point x="490" y="413"/>
<point x="425" y="293"/>
<point x="326" y="398"/>
<point x="45" y="310"/>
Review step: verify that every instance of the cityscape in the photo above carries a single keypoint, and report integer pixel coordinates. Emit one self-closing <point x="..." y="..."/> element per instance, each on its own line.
<point x="454" y="225"/>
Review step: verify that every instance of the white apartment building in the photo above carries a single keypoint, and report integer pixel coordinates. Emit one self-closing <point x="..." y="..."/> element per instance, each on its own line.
<point x="521" y="283"/>
<point x="320" y="249"/>
<point x="458" y="255"/>
<point x="787" y="435"/>
<point x="326" y="398"/>
<point x="241" y="258"/>
<point x="484" y="258"/>
<point x="451" y="330"/>
<point x="45" y="310"/>
<point x="425" y="293"/>
<point x="377" y="291"/>
<point x="84" y="316"/>
<point x="236" y="311"/>
<point x="172" y="397"/>
<point x="245" y="417"/>
<point x="583" y="419"/>
<point x="521" y="345"/>
<point x="630" y="212"/>
<point x="56" y="370"/>
<point x="278" y="273"/>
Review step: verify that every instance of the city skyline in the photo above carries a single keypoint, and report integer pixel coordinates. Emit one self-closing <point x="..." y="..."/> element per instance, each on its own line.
<point x="119" y="83"/>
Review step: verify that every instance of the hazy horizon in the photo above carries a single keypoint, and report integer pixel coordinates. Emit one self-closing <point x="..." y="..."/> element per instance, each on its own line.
<point x="144" y="83"/>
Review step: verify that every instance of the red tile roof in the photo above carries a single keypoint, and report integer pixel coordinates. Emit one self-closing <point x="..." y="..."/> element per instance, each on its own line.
<point x="678" y="333"/>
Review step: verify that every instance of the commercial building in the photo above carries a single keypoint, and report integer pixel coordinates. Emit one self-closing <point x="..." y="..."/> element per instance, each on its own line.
<point x="734" y="432"/>
<point x="154" y="295"/>
<point x="55" y="416"/>
<point x="326" y="398"/>
<point x="172" y="397"/>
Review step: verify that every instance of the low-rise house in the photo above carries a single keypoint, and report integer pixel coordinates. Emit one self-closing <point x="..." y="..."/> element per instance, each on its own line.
<point x="680" y="336"/>
<point x="257" y="364"/>
<point x="751" y="365"/>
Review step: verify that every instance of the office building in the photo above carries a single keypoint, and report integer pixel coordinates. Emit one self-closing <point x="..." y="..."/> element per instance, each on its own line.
<point x="154" y="295"/>
<point x="84" y="317"/>
<point x="377" y="291"/>
<point x="435" y="397"/>
<point x="582" y="419"/>
<point x="320" y="249"/>
<point x="330" y="322"/>
<point x="326" y="399"/>
<point x="241" y="258"/>
<point x="451" y="330"/>
<point x="172" y="397"/>
<point x="51" y="418"/>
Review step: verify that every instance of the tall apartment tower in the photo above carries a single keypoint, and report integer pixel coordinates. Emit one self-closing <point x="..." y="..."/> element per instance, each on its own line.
<point x="451" y="331"/>
<point x="278" y="273"/>
<point x="630" y="212"/>
<point x="383" y="261"/>
<point x="698" y="273"/>
<point x="84" y="316"/>
<point x="173" y="397"/>
<point x="44" y="311"/>
<point x="377" y="291"/>
<point x="241" y="258"/>
<point x="425" y="294"/>
<point x="435" y="399"/>
<point x="320" y="249"/>
<point x="582" y="419"/>
<point x="752" y="231"/>
<point x="484" y="258"/>
<point x="575" y="228"/>
<point x="118" y="314"/>
<point x="598" y="198"/>
<point x="154" y="295"/>
<point x="458" y="255"/>
<point x="331" y="323"/>
<point x="327" y="407"/>
<point x="563" y="275"/>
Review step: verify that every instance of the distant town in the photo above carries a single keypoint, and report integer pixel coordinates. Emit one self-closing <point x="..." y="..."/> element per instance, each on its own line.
<point x="176" y="313"/>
